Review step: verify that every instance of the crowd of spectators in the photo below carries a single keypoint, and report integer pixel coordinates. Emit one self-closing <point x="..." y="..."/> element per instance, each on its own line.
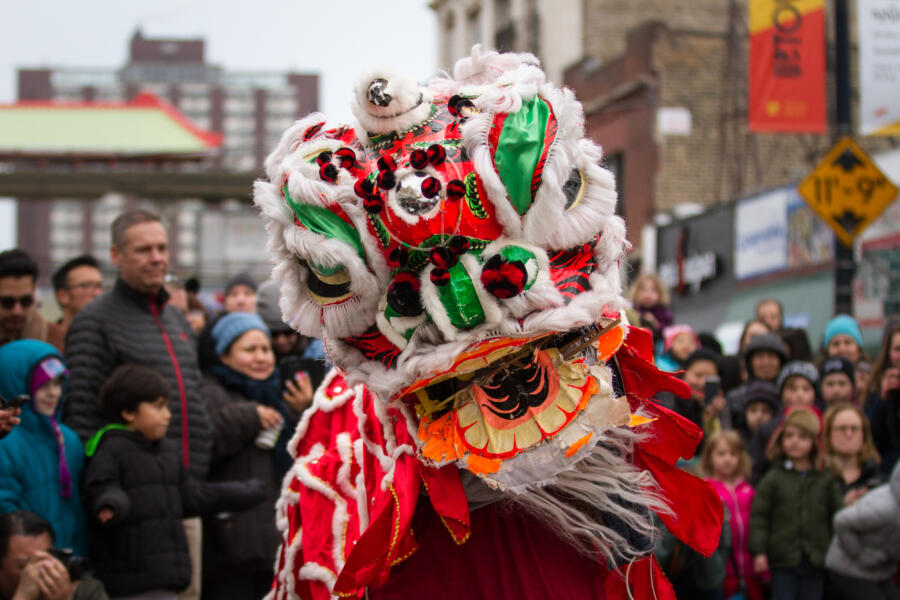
<point x="802" y="449"/>
<point x="144" y="431"/>
<point x="147" y="429"/>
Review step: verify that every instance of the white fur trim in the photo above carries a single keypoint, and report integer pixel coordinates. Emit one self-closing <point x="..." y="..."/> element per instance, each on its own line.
<point x="409" y="105"/>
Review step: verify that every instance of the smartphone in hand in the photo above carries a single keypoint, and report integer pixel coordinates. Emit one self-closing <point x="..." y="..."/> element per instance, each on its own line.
<point x="711" y="389"/>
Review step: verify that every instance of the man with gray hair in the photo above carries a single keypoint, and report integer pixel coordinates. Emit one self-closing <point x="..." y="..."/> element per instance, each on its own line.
<point x="132" y="323"/>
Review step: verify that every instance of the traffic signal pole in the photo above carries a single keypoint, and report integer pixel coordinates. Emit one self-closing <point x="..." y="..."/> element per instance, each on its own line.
<point x="843" y="255"/>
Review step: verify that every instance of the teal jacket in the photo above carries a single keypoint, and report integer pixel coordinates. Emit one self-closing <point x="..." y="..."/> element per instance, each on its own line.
<point x="791" y="515"/>
<point x="29" y="455"/>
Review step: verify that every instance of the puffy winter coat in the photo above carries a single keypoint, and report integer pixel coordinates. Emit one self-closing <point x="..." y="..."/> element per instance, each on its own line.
<point x="29" y="455"/>
<point x="125" y="326"/>
<point x="738" y="502"/>
<point x="239" y="542"/>
<point x="791" y="515"/>
<point x="867" y="534"/>
<point x="144" y="547"/>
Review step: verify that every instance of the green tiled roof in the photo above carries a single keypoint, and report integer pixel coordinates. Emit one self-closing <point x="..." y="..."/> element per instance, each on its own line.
<point x="145" y="126"/>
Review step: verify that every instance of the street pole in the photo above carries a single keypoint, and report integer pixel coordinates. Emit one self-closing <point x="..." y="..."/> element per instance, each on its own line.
<point x="843" y="255"/>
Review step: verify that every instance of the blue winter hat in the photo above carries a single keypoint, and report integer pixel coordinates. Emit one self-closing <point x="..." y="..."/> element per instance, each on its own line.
<point x="234" y="325"/>
<point x="843" y="324"/>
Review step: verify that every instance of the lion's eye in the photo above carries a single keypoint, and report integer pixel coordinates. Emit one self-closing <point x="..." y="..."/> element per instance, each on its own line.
<point x="573" y="188"/>
<point x="327" y="285"/>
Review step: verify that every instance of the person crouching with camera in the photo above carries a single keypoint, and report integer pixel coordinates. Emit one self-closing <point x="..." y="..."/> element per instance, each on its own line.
<point x="32" y="569"/>
<point x="41" y="460"/>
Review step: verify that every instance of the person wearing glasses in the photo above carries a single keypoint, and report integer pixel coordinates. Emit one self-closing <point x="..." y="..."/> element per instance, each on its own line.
<point x="19" y="318"/>
<point x="75" y="283"/>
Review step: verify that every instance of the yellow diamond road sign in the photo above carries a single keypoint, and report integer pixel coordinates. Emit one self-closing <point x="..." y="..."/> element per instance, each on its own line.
<point x="847" y="190"/>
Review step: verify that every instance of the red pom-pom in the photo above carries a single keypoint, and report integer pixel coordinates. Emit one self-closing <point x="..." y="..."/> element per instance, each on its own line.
<point x="312" y="131"/>
<point x="386" y="180"/>
<point x="442" y="258"/>
<point x="456" y="189"/>
<point x="436" y="154"/>
<point x="459" y="244"/>
<point x="363" y="187"/>
<point x="347" y="157"/>
<point x="440" y="277"/>
<point x="452" y="105"/>
<point x="387" y="163"/>
<point x="431" y="187"/>
<point x="328" y="172"/>
<point x="324" y="158"/>
<point x="418" y="159"/>
<point x="403" y="294"/>
<point x="502" y="278"/>
<point x="373" y="204"/>
<point x="399" y="257"/>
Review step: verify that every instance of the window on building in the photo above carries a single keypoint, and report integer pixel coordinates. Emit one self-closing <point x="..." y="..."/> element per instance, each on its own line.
<point x="473" y="27"/>
<point x="616" y="163"/>
<point x="534" y="28"/>
<point x="505" y="34"/>
<point x="449" y="32"/>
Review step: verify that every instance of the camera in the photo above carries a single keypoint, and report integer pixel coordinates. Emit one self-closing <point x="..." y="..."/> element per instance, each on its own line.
<point x="16" y="402"/>
<point x="77" y="566"/>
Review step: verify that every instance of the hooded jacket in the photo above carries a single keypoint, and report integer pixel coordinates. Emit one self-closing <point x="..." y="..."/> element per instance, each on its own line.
<point x="126" y="326"/>
<point x="143" y="547"/>
<point x="29" y="455"/>
<point x="866" y="540"/>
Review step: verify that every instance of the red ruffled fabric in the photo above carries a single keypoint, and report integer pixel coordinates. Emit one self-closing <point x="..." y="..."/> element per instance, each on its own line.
<point x="342" y="552"/>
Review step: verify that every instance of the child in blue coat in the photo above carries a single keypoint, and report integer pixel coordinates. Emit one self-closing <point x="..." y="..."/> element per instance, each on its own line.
<point x="41" y="460"/>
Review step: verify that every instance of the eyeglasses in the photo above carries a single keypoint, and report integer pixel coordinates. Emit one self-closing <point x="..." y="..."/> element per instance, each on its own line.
<point x="8" y="302"/>
<point x="87" y="285"/>
<point x="848" y="428"/>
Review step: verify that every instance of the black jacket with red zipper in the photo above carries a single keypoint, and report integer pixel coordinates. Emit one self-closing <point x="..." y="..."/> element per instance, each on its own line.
<point x="126" y="326"/>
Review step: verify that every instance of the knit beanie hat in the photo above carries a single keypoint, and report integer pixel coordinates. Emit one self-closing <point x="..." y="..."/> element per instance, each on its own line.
<point x="800" y="368"/>
<point x="702" y="354"/>
<point x="762" y="391"/>
<point x="267" y="306"/>
<point x="234" y="325"/>
<point x="673" y="332"/>
<point x="764" y="341"/>
<point x="240" y="279"/>
<point x="48" y="369"/>
<point x="843" y="324"/>
<point x="837" y="364"/>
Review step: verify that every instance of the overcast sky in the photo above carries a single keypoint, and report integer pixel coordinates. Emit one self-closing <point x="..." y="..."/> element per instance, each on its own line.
<point x="339" y="40"/>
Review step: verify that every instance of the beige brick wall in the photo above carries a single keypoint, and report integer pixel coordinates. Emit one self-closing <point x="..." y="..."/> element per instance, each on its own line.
<point x="607" y="21"/>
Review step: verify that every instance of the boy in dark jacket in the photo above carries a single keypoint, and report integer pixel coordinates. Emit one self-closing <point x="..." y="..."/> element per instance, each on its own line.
<point x="137" y="491"/>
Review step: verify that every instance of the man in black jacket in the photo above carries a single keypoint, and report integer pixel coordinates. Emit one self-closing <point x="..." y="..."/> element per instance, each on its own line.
<point x="132" y="323"/>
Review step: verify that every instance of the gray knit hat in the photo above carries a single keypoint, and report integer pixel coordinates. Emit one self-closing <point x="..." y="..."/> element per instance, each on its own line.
<point x="267" y="306"/>
<point x="801" y="368"/>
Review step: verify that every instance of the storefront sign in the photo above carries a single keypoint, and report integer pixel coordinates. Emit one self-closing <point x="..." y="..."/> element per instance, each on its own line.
<point x="787" y="66"/>
<point x="761" y="234"/>
<point x="878" y="23"/>
<point x="695" y="270"/>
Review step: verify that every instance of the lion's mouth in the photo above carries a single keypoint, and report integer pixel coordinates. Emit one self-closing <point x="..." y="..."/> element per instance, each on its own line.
<point x="511" y="372"/>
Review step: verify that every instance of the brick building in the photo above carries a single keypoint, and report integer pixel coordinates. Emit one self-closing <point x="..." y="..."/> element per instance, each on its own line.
<point x="249" y="109"/>
<point x="664" y="87"/>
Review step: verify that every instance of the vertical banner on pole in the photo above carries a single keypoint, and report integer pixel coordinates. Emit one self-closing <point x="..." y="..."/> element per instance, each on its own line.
<point x="787" y="66"/>
<point x="878" y="23"/>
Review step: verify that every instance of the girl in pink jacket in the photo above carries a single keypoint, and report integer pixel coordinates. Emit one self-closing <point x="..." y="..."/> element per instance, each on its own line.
<point x="727" y="465"/>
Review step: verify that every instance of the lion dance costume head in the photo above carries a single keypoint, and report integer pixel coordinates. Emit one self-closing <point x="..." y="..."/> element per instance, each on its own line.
<point x="458" y="250"/>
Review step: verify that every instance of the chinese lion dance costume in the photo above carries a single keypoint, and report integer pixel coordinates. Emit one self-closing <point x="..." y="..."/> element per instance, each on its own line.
<point x="489" y="429"/>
